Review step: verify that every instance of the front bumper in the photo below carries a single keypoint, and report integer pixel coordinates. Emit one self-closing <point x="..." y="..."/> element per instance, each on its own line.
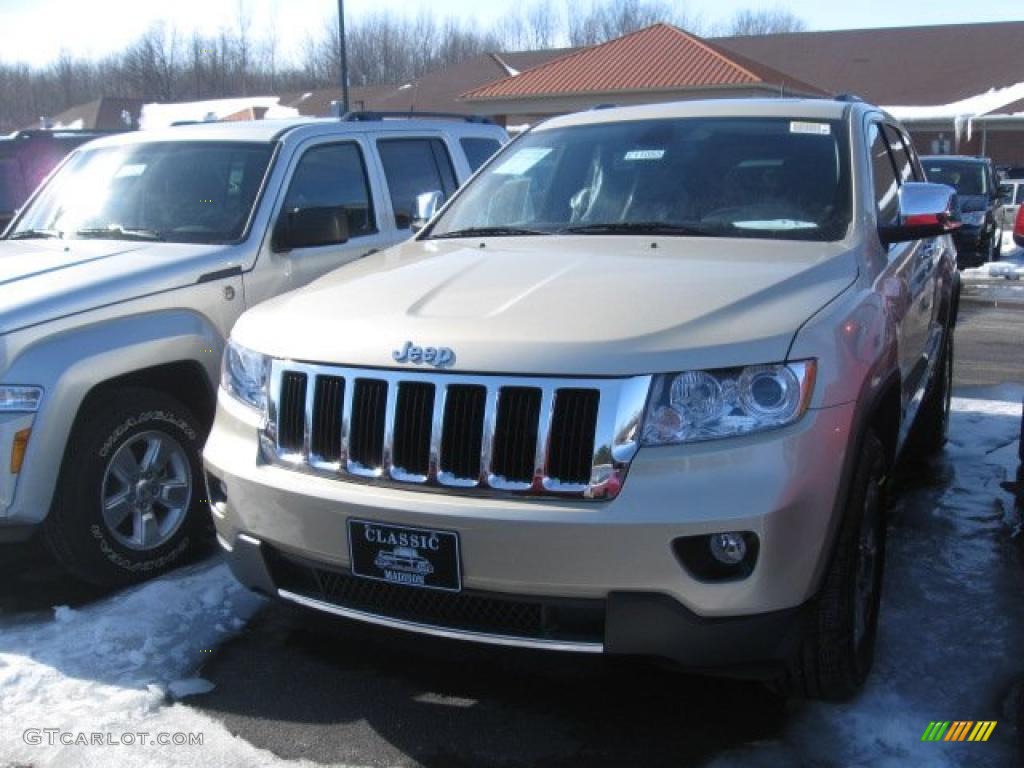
<point x="972" y="245"/>
<point x="10" y="425"/>
<point x="615" y="557"/>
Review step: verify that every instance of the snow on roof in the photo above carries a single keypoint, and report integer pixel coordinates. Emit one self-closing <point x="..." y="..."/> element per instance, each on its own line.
<point x="163" y="115"/>
<point x="963" y="112"/>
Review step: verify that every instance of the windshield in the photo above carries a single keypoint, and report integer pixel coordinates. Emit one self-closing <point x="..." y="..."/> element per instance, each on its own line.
<point x="12" y="185"/>
<point x="733" y="177"/>
<point x="965" y="178"/>
<point x="186" y="192"/>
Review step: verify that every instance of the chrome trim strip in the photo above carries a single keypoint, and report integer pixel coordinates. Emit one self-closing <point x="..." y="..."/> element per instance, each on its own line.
<point x="616" y="438"/>
<point x="249" y="539"/>
<point x="451" y="634"/>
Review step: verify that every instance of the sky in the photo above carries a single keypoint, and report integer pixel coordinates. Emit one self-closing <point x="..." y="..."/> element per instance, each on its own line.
<point x="98" y="27"/>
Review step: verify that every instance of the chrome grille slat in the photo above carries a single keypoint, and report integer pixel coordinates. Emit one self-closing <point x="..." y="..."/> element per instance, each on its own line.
<point x="368" y="441"/>
<point x="451" y="432"/>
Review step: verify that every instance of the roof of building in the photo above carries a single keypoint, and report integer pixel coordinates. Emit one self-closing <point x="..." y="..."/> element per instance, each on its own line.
<point x="436" y="91"/>
<point x="105" y="113"/>
<point x="660" y="57"/>
<point x="898" y="65"/>
<point x="319" y="102"/>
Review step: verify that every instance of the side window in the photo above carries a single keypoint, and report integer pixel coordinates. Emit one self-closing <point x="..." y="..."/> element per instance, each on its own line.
<point x="900" y="153"/>
<point x="1020" y="194"/>
<point x="479" y="151"/>
<point x="334" y="176"/>
<point x="412" y="167"/>
<point x="884" y="175"/>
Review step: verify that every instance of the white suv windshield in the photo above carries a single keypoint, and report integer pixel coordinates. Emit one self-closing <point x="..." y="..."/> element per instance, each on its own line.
<point x="732" y="177"/>
<point x="186" y="192"/>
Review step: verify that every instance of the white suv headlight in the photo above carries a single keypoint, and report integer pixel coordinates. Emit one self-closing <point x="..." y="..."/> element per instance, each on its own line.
<point x="706" y="405"/>
<point x="17" y="399"/>
<point x="244" y="375"/>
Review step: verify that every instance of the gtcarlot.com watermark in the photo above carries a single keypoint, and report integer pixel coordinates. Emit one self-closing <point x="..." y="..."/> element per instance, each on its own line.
<point x="50" y="737"/>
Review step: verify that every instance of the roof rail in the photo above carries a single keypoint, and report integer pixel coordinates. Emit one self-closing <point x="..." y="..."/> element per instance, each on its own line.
<point x="848" y="97"/>
<point x="370" y="116"/>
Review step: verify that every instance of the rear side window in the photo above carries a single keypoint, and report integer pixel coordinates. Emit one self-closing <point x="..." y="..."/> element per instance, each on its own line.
<point x="479" y="151"/>
<point x="413" y="167"/>
<point x="334" y="176"/>
<point x="898" y="149"/>
<point x="1020" y="195"/>
<point x="884" y="176"/>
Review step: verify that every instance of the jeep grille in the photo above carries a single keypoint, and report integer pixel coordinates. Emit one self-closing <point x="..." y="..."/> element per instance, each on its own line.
<point x="452" y="432"/>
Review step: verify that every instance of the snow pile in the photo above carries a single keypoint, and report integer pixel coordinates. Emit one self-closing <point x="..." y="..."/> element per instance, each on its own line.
<point x="963" y="112"/>
<point x="952" y="617"/>
<point x="163" y="115"/>
<point x="112" y="666"/>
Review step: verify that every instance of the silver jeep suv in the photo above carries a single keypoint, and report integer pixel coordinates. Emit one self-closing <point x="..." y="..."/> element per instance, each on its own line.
<point x="636" y="389"/>
<point x="121" y="278"/>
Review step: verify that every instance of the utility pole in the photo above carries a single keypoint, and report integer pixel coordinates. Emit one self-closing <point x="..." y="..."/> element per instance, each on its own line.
<point x="344" y="57"/>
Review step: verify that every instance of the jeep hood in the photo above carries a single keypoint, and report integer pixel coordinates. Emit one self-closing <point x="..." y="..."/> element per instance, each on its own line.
<point x="586" y="305"/>
<point x="42" y="280"/>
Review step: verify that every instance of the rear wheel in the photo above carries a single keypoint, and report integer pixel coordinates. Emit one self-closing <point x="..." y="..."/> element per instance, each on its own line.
<point x="128" y="503"/>
<point x="838" y="645"/>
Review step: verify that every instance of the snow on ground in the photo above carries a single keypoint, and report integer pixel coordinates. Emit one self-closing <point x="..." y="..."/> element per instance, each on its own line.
<point x="1010" y="265"/>
<point x="952" y="632"/>
<point x="115" y="666"/>
<point x="949" y="645"/>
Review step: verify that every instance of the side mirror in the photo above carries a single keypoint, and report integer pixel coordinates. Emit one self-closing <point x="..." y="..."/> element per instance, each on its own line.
<point x="310" y="227"/>
<point x="926" y="210"/>
<point x="427" y="205"/>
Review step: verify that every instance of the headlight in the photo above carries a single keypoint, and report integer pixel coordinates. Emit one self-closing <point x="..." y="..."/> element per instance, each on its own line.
<point x="15" y="399"/>
<point x="244" y="375"/>
<point x="707" y="405"/>
<point x="974" y="218"/>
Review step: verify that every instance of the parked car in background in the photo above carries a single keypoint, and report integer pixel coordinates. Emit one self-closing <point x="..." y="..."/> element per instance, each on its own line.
<point x="1011" y="192"/>
<point x="635" y="390"/>
<point x="124" y="273"/>
<point x="980" y="238"/>
<point x="27" y="157"/>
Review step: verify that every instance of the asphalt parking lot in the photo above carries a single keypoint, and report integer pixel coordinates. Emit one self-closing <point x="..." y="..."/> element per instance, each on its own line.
<point x="304" y="687"/>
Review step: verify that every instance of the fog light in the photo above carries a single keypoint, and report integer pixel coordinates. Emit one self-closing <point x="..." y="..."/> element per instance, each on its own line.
<point x="18" y="448"/>
<point x="728" y="548"/>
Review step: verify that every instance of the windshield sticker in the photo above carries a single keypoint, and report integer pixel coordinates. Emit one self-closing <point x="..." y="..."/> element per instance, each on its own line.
<point x="645" y="154"/>
<point x="816" y="129"/>
<point x="522" y="161"/>
<point x="130" y="170"/>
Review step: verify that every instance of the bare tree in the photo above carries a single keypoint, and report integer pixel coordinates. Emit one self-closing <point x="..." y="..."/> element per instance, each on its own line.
<point x="764" y="21"/>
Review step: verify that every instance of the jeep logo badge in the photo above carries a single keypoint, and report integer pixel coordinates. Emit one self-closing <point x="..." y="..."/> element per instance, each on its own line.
<point x="439" y="357"/>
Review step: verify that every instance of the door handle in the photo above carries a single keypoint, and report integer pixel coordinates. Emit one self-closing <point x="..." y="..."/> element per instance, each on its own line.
<point x="368" y="253"/>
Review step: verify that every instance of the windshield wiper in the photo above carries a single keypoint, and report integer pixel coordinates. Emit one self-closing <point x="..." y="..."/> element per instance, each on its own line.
<point x="492" y="231"/>
<point x="32" y="234"/>
<point x="119" y="233"/>
<point x="636" y="228"/>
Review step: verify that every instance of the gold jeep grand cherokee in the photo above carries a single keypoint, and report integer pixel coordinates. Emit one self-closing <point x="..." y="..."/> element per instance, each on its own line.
<point x="635" y="389"/>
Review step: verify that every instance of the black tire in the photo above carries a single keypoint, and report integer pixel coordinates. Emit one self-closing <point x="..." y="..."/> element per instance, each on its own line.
<point x="117" y="426"/>
<point x="838" y="643"/>
<point x="928" y="434"/>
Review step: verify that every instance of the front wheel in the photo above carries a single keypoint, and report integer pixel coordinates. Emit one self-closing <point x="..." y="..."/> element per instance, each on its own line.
<point x="128" y="504"/>
<point x="838" y="644"/>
